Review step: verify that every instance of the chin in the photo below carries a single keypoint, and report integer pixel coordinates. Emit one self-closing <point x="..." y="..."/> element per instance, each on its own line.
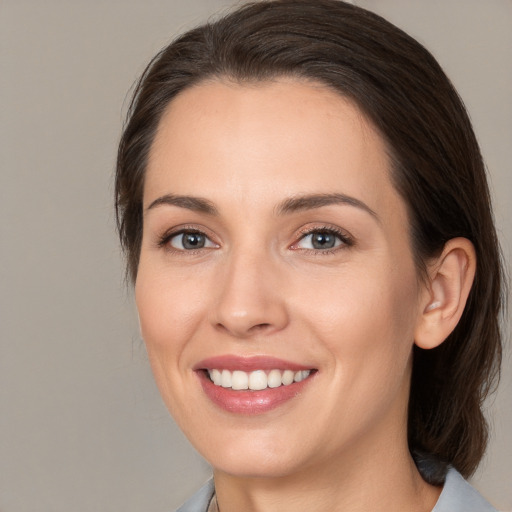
<point x="254" y="458"/>
<point x="264" y="466"/>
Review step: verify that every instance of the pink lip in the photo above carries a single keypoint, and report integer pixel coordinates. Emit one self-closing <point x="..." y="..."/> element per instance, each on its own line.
<point x="250" y="402"/>
<point x="248" y="364"/>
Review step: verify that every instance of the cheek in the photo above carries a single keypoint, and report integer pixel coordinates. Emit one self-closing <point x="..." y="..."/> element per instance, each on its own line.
<point x="167" y="321"/>
<point x="366" y="319"/>
<point x="166" y="324"/>
<point x="168" y="307"/>
<point x="367" y="296"/>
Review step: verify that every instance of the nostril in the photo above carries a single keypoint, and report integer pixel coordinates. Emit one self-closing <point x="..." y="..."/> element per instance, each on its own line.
<point x="243" y="331"/>
<point x="259" y="327"/>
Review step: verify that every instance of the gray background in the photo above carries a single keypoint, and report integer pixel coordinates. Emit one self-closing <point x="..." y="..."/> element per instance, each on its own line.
<point x="82" y="427"/>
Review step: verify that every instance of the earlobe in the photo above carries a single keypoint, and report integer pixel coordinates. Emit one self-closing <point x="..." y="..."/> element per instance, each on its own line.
<point x="450" y="278"/>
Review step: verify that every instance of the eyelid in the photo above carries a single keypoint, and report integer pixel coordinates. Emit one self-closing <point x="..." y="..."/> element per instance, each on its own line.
<point x="164" y="240"/>
<point x="343" y="236"/>
<point x="346" y="239"/>
<point x="175" y="242"/>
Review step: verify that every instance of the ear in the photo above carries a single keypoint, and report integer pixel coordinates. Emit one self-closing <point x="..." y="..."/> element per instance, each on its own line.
<point x="450" y="278"/>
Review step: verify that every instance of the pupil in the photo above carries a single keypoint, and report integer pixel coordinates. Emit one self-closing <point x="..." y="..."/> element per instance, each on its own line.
<point x="323" y="240"/>
<point x="193" y="241"/>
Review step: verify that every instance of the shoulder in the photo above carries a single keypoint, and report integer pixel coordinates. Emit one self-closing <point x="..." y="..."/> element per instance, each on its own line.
<point x="459" y="496"/>
<point x="200" y="500"/>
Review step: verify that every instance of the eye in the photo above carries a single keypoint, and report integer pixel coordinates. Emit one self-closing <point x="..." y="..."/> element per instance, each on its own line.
<point x="189" y="241"/>
<point x="322" y="240"/>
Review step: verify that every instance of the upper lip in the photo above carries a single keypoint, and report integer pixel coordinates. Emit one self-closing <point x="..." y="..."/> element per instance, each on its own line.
<point x="248" y="363"/>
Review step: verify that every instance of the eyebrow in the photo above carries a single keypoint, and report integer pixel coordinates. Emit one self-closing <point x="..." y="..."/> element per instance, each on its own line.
<point x="196" y="204"/>
<point x="312" y="201"/>
<point x="291" y="205"/>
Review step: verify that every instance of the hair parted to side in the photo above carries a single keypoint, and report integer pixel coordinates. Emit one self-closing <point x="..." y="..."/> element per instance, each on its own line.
<point x="437" y="169"/>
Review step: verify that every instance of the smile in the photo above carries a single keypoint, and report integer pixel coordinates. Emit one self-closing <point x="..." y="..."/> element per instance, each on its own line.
<point x="253" y="385"/>
<point x="256" y="380"/>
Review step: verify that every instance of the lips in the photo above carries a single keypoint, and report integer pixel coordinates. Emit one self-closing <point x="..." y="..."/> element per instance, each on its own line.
<point x="252" y="385"/>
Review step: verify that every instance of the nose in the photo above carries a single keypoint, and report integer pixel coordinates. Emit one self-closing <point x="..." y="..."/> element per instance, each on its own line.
<point x="250" y="298"/>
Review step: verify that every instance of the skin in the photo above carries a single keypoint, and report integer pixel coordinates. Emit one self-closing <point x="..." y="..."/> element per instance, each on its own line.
<point x="259" y="288"/>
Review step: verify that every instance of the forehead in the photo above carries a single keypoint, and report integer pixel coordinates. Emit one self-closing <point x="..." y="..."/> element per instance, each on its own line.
<point x="278" y="138"/>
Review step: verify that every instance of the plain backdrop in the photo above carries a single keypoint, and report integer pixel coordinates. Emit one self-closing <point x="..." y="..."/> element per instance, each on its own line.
<point x="82" y="426"/>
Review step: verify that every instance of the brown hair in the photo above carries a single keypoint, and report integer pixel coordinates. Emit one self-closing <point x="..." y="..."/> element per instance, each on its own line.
<point x="437" y="169"/>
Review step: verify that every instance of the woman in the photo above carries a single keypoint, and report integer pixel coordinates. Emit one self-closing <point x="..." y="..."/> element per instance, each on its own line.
<point x="307" y="223"/>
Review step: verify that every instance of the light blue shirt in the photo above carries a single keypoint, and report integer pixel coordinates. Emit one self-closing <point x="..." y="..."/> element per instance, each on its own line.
<point x="457" y="496"/>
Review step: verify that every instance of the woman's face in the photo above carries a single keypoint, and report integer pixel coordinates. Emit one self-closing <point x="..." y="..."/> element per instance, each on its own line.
<point x="274" y="243"/>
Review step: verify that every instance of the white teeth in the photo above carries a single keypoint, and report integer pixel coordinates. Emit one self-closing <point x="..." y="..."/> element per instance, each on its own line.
<point x="301" y="375"/>
<point x="216" y="376"/>
<point x="239" y="380"/>
<point x="226" y="379"/>
<point x="256" y="380"/>
<point x="287" y="377"/>
<point x="274" y="379"/>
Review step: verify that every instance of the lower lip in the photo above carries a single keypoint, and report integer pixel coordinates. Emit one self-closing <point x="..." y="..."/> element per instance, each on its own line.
<point x="250" y="402"/>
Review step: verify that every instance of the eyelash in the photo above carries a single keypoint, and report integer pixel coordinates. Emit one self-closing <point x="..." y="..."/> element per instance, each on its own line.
<point x="346" y="240"/>
<point x="164" y="240"/>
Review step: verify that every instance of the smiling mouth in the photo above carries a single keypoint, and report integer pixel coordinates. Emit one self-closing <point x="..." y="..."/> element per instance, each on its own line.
<point x="252" y="385"/>
<point x="256" y="380"/>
